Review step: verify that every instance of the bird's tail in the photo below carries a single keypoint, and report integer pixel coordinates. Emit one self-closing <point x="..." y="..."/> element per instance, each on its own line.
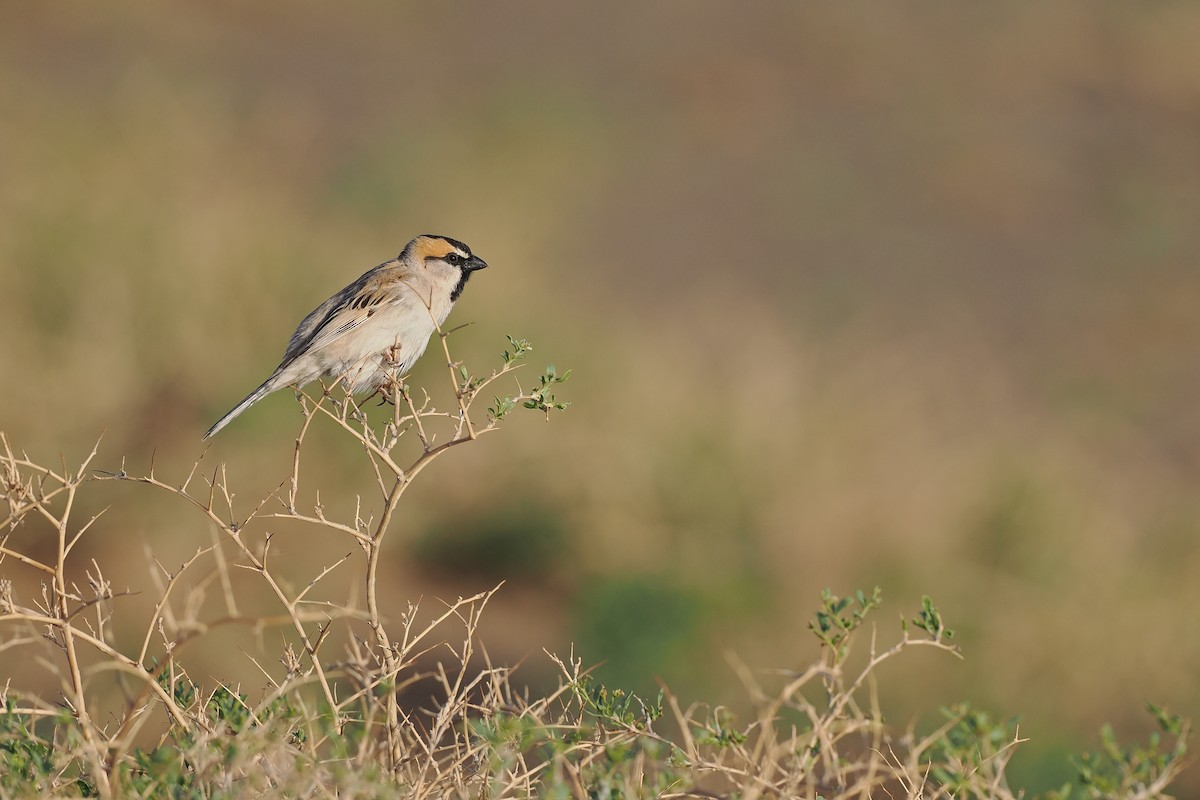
<point x="268" y="386"/>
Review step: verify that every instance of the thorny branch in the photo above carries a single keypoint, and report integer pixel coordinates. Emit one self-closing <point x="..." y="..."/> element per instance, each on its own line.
<point x="177" y="617"/>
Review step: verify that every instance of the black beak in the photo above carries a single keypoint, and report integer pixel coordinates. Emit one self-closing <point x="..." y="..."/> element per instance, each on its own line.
<point x="473" y="263"/>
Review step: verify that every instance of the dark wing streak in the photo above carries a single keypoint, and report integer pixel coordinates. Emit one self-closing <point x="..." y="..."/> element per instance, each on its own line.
<point x="319" y="319"/>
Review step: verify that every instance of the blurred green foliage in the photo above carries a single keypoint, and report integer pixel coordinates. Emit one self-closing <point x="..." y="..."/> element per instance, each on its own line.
<point x="522" y="540"/>
<point x="642" y="628"/>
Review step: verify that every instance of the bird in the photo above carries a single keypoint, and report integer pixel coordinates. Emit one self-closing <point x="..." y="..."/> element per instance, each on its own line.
<point x="377" y="326"/>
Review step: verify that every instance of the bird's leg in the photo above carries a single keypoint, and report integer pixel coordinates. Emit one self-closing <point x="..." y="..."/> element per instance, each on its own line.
<point x="368" y="398"/>
<point x="391" y="357"/>
<point x="389" y="363"/>
<point x="386" y="389"/>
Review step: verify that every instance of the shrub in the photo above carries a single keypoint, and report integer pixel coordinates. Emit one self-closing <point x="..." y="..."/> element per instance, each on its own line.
<point x="331" y="722"/>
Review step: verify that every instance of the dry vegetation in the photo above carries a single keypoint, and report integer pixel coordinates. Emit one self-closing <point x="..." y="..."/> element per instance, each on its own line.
<point x="334" y="715"/>
<point x="859" y="295"/>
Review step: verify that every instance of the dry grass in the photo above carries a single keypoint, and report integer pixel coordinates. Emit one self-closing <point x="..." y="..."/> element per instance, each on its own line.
<point x="334" y="716"/>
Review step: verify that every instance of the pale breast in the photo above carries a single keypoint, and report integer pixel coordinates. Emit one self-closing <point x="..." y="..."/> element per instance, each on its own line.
<point x="398" y="332"/>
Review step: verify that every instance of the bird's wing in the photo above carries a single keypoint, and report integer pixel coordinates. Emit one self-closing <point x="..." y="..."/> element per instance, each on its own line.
<point x="342" y="313"/>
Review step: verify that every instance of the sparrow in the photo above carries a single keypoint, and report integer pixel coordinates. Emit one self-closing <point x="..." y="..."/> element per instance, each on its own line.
<point x="377" y="326"/>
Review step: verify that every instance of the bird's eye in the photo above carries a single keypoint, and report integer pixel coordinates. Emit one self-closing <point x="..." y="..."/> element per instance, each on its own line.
<point x="454" y="258"/>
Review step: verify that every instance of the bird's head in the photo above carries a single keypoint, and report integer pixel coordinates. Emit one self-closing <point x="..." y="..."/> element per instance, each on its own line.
<point x="447" y="259"/>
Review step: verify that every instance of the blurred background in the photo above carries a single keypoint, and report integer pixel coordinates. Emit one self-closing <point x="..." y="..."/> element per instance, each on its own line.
<point x="896" y="295"/>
